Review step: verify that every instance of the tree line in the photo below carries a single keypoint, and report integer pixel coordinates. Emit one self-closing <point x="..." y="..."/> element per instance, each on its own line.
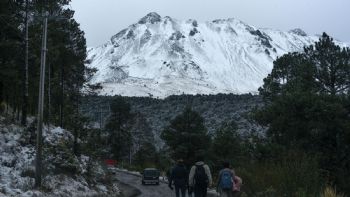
<point x="307" y="97"/>
<point x="66" y="74"/>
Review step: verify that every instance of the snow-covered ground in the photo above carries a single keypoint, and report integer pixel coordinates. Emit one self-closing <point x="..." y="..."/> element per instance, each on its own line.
<point x="17" y="166"/>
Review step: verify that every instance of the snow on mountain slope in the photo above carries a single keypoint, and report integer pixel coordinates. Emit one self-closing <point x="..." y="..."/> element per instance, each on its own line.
<point x="162" y="56"/>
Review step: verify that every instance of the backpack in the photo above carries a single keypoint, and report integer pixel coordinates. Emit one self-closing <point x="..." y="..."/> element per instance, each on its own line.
<point x="200" y="177"/>
<point x="226" y="180"/>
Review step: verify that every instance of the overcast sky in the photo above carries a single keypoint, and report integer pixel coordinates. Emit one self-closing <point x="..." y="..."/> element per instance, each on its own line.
<point x="100" y="19"/>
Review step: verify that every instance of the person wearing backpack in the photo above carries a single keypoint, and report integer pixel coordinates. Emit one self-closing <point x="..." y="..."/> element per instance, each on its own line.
<point x="200" y="178"/>
<point x="225" y="182"/>
<point x="189" y="187"/>
<point x="179" y="176"/>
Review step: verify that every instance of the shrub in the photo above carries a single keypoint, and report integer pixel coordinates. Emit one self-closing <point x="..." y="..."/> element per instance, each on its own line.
<point x="295" y="174"/>
<point x="60" y="159"/>
<point x="28" y="172"/>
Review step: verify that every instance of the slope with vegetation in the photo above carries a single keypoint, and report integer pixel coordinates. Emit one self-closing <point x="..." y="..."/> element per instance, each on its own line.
<point x="65" y="77"/>
<point x="65" y="174"/>
<point x="155" y="114"/>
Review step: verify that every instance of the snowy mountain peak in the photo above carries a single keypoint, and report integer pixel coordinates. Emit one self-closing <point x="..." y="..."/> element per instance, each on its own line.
<point x="152" y="18"/>
<point x="164" y="56"/>
<point x="298" y="31"/>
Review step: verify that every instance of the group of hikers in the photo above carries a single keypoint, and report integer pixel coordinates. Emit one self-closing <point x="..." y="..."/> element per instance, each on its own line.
<point x="199" y="178"/>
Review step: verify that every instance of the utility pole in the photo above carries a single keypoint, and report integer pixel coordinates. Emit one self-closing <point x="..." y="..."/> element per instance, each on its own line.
<point x="25" y="85"/>
<point x="38" y="159"/>
<point x="100" y="117"/>
<point x="49" y="99"/>
<point x="130" y="153"/>
<point x="61" y="97"/>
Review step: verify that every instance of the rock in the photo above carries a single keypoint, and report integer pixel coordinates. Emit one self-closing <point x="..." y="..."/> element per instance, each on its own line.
<point x="152" y="18"/>
<point x="298" y="32"/>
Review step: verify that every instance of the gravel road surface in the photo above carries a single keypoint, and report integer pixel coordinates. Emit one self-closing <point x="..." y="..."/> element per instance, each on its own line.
<point x="133" y="187"/>
<point x="161" y="190"/>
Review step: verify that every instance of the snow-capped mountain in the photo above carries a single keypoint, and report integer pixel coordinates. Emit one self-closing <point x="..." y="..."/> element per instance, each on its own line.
<point x="162" y="56"/>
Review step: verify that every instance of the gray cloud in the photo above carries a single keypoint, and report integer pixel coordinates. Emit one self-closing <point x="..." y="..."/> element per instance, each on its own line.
<point x="100" y="19"/>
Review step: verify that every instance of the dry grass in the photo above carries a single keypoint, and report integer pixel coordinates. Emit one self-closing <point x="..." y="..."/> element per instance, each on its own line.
<point x="331" y="192"/>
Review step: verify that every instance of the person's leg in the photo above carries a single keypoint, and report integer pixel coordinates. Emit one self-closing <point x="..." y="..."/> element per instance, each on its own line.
<point x="229" y="193"/>
<point x="183" y="191"/>
<point x="204" y="192"/>
<point x="236" y="194"/>
<point x="197" y="192"/>
<point x="226" y="193"/>
<point x="200" y="191"/>
<point x="223" y="193"/>
<point x="177" y="192"/>
<point x="190" y="191"/>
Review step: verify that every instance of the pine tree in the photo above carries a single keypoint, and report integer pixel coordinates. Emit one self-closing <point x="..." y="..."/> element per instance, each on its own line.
<point x="10" y="53"/>
<point x="141" y="132"/>
<point x="118" y="128"/>
<point x="332" y="64"/>
<point x="186" y="136"/>
<point x="321" y="68"/>
<point x="306" y="108"/>
<point x="146" y="155"/>
<point x="226" y="143"/>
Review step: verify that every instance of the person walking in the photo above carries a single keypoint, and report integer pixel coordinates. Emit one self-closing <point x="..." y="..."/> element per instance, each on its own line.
<point x="225" y="182"/>
<point x="189" y="187"/>
<point x="200" y="178"/>
<point x="179" y="176"/>
<point x="237" y="186"/>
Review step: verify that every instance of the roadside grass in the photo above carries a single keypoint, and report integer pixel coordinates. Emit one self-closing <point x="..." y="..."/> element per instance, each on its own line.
<point x="331" y="192"/>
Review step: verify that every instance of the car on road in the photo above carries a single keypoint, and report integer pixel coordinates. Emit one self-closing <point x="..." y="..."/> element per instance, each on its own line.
<point x="150" y="176"/>
<point x="112" y="170"/>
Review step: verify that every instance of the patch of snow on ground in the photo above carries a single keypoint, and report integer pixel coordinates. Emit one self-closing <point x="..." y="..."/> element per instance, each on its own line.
<point x="17" y="158"/>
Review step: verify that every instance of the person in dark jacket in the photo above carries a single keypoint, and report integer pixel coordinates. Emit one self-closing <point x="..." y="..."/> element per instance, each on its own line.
<point x="179" y="176"/>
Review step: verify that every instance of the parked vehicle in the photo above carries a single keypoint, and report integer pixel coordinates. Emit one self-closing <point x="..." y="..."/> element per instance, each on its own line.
<point x="150" y="176"/>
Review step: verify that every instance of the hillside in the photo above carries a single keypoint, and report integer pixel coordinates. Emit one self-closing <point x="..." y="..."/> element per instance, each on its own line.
<point x="155" y="114"/>
<point x="64" y="173"/>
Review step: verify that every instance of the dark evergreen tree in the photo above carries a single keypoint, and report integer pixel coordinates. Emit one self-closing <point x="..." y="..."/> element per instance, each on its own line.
<point x="332" y="65"/>
<point x="321" y="68"/>
<point x="66" y="55"/>
<point x="187" y="136"/>
<point x="146" y="156"/>
<point x="141" y="132"/>
<point x="11" y="40"/>
<point x="118" y="128"/>
<point x="306" y="95"/>
<point x="291" y="72"/>
<point x="226" y="144"/>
